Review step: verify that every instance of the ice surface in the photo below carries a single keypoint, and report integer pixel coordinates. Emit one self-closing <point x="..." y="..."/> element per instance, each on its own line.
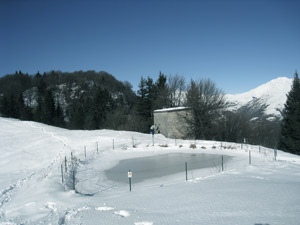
<point x="162" y="165"/>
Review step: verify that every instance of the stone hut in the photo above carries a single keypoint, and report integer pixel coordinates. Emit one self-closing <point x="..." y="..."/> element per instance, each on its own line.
<point x="171" y="122"/>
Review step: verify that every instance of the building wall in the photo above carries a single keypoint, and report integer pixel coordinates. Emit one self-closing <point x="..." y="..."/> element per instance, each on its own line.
<point x="161" y="123"/>
<point x="172" y="123"/>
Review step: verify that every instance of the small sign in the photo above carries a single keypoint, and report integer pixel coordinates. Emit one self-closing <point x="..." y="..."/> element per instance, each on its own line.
<point x="129" y="174"/>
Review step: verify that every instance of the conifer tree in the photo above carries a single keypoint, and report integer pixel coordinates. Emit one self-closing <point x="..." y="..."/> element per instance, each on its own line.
<point x="101" y="105"/>
<point x="290" y="129"/>
<point x="49" y="108"/>
<point x="77" y="117"/>
<point x="13" y="109"/>
<point x="145" y="104"/>
<point x="59" y="116"/>
<point x="161" y="98"/>
<point x="4" y="109"/>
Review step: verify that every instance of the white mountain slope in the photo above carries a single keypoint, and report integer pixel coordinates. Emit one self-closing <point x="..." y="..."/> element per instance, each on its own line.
<point x="272" y="94"/>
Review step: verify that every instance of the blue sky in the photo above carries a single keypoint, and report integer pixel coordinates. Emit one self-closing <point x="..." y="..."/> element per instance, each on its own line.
<point x="238" y="44"/>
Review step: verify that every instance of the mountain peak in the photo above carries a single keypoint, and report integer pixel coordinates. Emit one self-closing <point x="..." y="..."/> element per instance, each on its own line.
<point x="273" y="94"/>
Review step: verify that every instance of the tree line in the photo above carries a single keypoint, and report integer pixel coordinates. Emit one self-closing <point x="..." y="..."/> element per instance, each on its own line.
<point x="96" y="100"/>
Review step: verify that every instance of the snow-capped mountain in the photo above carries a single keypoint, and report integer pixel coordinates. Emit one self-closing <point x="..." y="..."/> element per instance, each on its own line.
<point x="270" y="97"/>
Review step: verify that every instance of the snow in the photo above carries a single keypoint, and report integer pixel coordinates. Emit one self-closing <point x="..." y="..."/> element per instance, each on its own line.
<point x="105" y="208"/>
<point x="272" y="93"/>
<point x="265" y="192"/>
<point x="170" y="109"/>
<point x="122" y="213"/>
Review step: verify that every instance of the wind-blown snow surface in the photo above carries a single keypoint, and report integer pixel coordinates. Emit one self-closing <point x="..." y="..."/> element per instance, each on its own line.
<point x="265" y="192"/>
<point x="272" y="94"/>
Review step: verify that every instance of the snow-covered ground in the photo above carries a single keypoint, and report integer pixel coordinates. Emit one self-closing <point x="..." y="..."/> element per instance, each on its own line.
<point x="31" y="190"/>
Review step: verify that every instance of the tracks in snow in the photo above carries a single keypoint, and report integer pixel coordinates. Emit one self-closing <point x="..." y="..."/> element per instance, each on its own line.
<point x="7" y="193"/>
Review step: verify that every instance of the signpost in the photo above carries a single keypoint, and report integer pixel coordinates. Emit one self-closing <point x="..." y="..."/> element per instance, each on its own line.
<point x="129" y="177"/>
<point x="152" y="128"/>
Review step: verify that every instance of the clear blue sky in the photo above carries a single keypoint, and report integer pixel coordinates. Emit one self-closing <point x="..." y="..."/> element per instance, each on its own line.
<point x="238" y="44"/>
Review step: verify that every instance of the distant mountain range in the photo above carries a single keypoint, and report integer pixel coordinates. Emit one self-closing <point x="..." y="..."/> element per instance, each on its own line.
<point x="267" y="99"/>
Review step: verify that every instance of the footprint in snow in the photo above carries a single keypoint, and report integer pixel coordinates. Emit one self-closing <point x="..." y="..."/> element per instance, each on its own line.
<point x="122" y="213"/>
<point x="51" y="206"/>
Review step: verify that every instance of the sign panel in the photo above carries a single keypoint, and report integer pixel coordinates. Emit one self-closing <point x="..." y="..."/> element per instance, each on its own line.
<point x="129" y="174"/>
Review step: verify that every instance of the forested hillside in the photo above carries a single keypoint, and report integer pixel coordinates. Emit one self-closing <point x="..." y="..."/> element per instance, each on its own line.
<point x="78" y="100"/>
<point x="97" y="100"/>
<point x="85" y="100"/>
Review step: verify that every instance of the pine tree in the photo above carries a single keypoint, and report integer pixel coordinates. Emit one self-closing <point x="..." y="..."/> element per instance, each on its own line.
<point x="49" y="108"/>
<point x="101" y="104"/>
<point x="59" y="116"/>
<point x="145" y="104"/>
<point x="13" y="109"/>
<point x="290" y="129"/>
<point x="161" y="96"/>
<point x="77" y="118"/>
<point x="4" y="109"/>
<point x="38" y="112"/>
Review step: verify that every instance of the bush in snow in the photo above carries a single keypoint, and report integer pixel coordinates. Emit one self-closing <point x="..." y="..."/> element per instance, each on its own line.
<point x="193" y="146"/>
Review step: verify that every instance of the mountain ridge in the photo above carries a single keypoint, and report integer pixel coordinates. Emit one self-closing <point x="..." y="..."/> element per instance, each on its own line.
<point x="271" y="96"/>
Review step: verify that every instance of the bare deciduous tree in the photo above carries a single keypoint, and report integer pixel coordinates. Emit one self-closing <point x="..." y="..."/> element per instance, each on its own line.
<point x="177" y="90"/>
<point x="206" y="102"/>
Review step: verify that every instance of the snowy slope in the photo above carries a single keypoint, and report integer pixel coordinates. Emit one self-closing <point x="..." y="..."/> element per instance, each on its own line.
<point x="265" y="192"/>
<point x="273" y="94"/>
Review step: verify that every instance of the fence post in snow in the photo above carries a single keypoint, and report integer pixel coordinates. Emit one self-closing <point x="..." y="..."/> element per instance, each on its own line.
<point x="259" y="148"/>
<point x="73" y="178"/>
<point x="62" y="173"/>
<point x="222" y="163"/>
<point x="65" y="163"/>
<point x="113" y="144"/>
<point x="275" y="154"/>
<point x="186" y="176"/>
<point x="129" y="179"/>
<point x="249" y="157"/>
<point x="152" y="139"/>
<point x="175" y="141"/>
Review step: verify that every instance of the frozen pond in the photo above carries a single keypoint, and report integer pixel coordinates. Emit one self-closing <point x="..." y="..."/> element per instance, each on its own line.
<point x="162" y="165"/>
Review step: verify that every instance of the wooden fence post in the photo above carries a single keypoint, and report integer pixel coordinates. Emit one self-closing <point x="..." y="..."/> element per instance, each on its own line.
<point x="249" y="157"/>
<point x="186" y="176"/>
